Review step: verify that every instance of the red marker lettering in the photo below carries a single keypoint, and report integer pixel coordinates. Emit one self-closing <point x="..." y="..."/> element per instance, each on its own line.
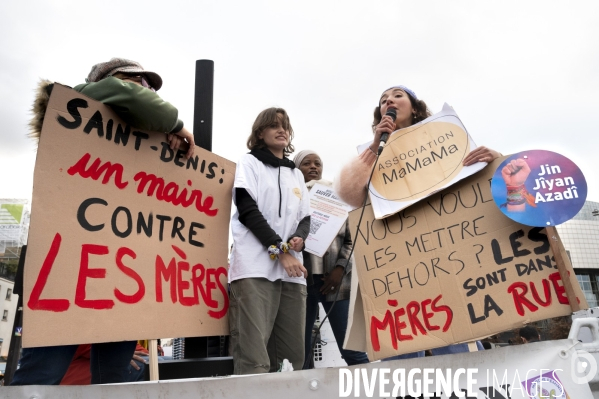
<point x="141" y="290"/>
<point x="85" y="272"/>
<point x="54" y="305"/>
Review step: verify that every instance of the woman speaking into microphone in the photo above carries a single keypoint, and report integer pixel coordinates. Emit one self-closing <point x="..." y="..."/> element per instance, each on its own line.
<point x="409" y="110"/>
<point x="398" y="108"/>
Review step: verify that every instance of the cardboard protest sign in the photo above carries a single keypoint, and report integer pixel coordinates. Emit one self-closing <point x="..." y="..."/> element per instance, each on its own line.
<point x="452" y="268"/>
<point x="356" y="327"/>
<point x="128" y="239"/>
<point x="420" y="160"/>
<point x="328" y="214"/>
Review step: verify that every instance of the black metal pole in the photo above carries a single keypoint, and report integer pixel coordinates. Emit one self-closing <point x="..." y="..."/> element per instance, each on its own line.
<point x="197" y="347"/>
<point x="203" y="100"/>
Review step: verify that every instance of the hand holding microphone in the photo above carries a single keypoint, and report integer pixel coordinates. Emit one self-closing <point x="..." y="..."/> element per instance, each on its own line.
<point x="385" y="136"/>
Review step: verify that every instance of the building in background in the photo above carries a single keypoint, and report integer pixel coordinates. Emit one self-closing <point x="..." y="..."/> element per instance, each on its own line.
<point x="13" y="216"/>
<point x="580" y="237"/>
<point x="8" y="309"/>
<point x="14" y="225"/>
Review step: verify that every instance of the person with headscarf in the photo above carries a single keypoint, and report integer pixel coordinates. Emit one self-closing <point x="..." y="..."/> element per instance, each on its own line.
<point x="326" y="282"/>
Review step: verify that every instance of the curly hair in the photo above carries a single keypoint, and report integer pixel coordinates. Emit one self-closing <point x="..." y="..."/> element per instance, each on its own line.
<point x="270" y="118"/>
<point x="422" y="112"/>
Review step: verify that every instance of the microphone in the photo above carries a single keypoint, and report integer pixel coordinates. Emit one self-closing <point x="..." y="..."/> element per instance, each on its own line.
<point x="393" y="114"/>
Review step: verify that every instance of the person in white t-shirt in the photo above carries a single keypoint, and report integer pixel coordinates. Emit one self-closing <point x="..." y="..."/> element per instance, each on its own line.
<point x="268" y="280"/>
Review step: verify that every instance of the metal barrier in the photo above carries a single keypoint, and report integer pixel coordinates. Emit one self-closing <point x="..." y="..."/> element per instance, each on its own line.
<point x="499" y="373"/>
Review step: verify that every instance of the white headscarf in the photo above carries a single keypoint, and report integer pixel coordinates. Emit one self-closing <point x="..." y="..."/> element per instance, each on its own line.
<point x="299" y="157"/>
<point x="297" y="160"/>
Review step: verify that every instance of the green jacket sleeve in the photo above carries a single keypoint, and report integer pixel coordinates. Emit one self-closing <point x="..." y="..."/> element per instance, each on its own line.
<point x="136" y="105"/>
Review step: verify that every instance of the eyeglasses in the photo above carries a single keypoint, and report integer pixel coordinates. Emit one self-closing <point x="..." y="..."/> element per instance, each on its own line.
<point x="145" y="84"/>
<point x="135" y="78"/>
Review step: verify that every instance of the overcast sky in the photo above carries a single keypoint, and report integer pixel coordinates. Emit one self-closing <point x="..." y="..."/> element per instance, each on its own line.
<point x="520" y="74"/>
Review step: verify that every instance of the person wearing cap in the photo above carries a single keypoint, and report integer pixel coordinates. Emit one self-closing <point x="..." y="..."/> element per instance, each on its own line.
<point x="131" y="92"/>
<point x="326" y="281"/>
<point x="351" y="185"/>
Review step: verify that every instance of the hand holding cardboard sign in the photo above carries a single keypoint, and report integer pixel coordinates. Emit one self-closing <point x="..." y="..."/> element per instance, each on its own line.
<point x="481" y="154"/>
<point x="177" y="140"/>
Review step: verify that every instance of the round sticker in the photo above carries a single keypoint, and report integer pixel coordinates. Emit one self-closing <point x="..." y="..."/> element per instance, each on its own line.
<point x="539" y="188"/>
<point x="547" y="385"/>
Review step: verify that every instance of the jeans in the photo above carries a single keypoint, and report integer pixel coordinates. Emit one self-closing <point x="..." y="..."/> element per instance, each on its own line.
<point x="47" y="365"/>
<point x="136" y="375"/>
<point x="338" y="320"/>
